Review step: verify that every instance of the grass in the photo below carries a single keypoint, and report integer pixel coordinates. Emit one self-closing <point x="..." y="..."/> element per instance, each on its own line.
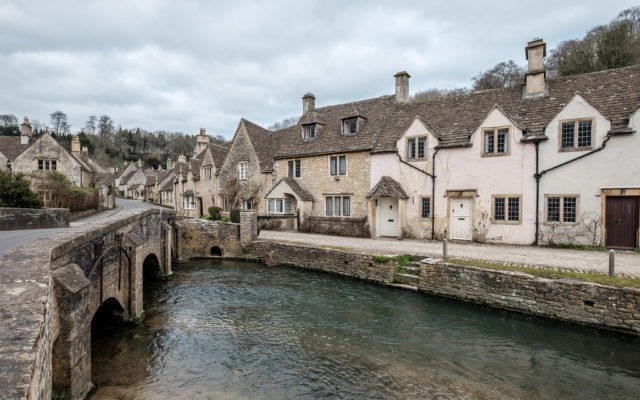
<point x="402" y="260"/>
<point x="637" y="249"/>
<point x="551" y="274"/>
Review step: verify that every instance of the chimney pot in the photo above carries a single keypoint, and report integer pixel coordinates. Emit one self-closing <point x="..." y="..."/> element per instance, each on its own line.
<point x="25" y="128"/>
<point x="308" y="102"/>
<point x="202" y="131"/>
<point x="75" y="145"/>
<point x="402" y="86"/>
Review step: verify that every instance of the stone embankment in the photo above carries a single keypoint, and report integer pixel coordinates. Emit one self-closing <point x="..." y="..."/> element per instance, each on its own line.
<point x="12" y="219"/>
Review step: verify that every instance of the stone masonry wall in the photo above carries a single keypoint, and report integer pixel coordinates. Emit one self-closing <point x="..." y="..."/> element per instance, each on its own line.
<point x="196" y="238"/>
<point x="564" y="299"/>
<point x="33" y="218"/>
<point x="344" y="263"/>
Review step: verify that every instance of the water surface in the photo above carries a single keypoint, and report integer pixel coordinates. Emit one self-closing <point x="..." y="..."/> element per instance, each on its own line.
<point x="230" y="330"/>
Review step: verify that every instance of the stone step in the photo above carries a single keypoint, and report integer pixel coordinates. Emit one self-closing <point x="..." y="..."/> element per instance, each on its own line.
<point x="415" y="263"/>
<point x="405" y="287"/>
<point x="406" y="278"/>
<point x="412" y="270"/>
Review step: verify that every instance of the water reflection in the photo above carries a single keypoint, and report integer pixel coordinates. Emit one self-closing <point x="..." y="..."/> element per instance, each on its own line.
<point x="243" y="331"/>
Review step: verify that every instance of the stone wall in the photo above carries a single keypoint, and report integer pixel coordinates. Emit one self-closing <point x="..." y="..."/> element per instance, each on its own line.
<point x="564" y="299"/>
<point x="340" y="226"/>
<point x="361" y="266"/>
<point x="197" y="238"/>
<point x="33" y="218"/>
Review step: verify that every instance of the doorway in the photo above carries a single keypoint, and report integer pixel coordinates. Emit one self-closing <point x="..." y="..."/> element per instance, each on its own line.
<point x="387" y="217"/>
<point x="622" y="221"/>
<point x="461" y="220"/>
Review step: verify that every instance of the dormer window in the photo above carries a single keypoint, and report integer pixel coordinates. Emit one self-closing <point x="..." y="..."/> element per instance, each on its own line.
<point x="350" y="126"/>
<point x="309" y="131"/>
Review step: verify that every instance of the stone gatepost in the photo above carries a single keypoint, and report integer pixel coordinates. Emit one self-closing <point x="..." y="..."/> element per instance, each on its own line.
<point x="71" y="359"/>
<point x="248" y="226"/>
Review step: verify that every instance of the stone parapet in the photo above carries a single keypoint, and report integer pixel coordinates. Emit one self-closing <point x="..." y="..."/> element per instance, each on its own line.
<point x="612" y="308"/>
<point x="33" y="218"/>
<point x="202" y="238"/>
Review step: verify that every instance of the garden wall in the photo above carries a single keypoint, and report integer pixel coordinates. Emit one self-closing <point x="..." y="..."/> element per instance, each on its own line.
<point x="33" y="218"/>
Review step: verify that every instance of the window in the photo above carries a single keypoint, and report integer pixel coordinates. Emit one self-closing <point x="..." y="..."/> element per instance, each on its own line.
<point x="575" y="135"/>
<point x="506" y="209"/>
<point x="349" y="126"/>
<point x="562" y="209"/>
<point x="338" y="206"/>
<point x="48" y="165"/>
<point x="207" y="173"/>
<point x="294" y="168"/>
<point x="189" y="203"/>
<point x="279" y="206"/>
<point x="248" y="204"/>
<point x="495" y="142"/>
<point x="338" y="165"/>
<point x="309" y="131"/>
<point x="425" y="205"/>
<point x="225" y="203"/>
<point x="243" y="168"/>
<point x="417" y="148"/>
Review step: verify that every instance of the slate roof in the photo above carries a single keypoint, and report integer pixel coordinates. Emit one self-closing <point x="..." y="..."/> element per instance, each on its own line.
<point x="295" y="187"/>
<point x="11" y="148"/>
<point x="151" y="180"/>
<point x="128" y="176"/>
<point x="387" y="187"/>
<point x="167" y="183"/>
<point x="452" y="119"/>
<point x="329" y="137"/>
<point x="218" y="152"/>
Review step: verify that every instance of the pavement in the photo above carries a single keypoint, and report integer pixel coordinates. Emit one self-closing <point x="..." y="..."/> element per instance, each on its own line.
<point x="626" y="262"/>
<point x="12" y="239"/>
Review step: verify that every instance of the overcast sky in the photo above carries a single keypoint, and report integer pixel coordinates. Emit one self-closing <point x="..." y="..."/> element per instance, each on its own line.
<point x="182" y="65"/>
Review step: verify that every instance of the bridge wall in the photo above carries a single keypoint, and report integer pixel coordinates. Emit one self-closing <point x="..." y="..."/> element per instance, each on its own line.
<point x="51" y="288"/>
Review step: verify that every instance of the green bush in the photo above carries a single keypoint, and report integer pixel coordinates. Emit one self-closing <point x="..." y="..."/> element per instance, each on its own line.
<point x="235" y="216"/>
<point x="15" y="192"/>
<point x="214" y="213"/>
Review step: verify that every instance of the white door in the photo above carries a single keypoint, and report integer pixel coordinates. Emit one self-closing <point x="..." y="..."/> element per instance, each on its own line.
<point x="461" y="221"/>
<point x="387" y="216"/>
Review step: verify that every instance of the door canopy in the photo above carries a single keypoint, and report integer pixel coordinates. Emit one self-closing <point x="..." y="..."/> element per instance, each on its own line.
<point x="387" y="187"/>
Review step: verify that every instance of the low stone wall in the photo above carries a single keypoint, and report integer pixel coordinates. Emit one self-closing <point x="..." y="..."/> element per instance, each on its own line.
<point x="564" y="299"/>
<point x="340" y="226"/>
<point x="361" y="266"/>
<point x="33" y="218"/>
<point x="197" y="238"/>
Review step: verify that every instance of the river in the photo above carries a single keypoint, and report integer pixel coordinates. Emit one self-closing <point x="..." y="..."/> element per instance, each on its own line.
<point x="233" y="330"/>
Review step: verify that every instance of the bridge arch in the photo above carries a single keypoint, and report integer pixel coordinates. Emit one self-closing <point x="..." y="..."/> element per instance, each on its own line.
<point x="151" y="268"/>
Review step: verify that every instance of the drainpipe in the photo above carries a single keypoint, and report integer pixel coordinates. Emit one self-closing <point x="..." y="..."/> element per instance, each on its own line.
<point x="433" y="186"/>
<point x="538" y="175"/>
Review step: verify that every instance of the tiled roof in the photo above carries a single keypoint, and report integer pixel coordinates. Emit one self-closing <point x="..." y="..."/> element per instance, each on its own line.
<point x="614" y="93"/>
<point x="295" y="187"/>
<point x="151" y="180"/>
<point x="128" y="176"/>
<point x="261" y="141"/>
<point x="329" y="137"/>
<point x="11" y="148"/>
<point x="387" y="187"/>
<point x="167" y="183"/>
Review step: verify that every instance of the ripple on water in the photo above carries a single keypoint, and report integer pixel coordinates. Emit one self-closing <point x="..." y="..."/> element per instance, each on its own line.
<point x="244" y="331"/>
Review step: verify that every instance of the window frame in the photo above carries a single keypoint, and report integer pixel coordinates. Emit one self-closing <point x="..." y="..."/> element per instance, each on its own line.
<point x="191" y="203"/>
<point x="415" y="148"/>
<point x="294" y="168"/>
<point x="345" y="206"/>
<point x="430" y="210"/>
<point x="247" y="205"/>
<point x="243" y="165"/>
<point x="496" y="135"/>
<point x="48" y="164"/>
<point x="506" y="198"/>
<point x="561" y="209"/>
<point x="338" y="169"/>
<point x="576" y="135"/>
<point x="353" y="120"/>
<point x="283" y="203"/>
<point x="207" y="173"/>
<point x="309" y="131"/>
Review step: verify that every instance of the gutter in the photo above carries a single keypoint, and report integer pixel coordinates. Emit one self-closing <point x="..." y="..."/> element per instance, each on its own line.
<point x="538" y="175"/>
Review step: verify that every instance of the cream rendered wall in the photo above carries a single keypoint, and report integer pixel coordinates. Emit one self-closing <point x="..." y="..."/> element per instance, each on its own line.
<point x="460" y="169"/>
<point x="415" y="183"/>
<point x="47" y="147"/>
<point x="616" y="166"/>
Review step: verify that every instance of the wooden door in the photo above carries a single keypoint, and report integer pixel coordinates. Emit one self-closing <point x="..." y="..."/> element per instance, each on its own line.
<point x="387" y="212"/>
<point x="622" y="222"/>
<point x="461" y="219"/>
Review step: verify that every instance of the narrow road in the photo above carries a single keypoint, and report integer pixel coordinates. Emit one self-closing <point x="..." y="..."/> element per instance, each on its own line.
<point x="627" y="263"/>
<point x="12" y="239"/>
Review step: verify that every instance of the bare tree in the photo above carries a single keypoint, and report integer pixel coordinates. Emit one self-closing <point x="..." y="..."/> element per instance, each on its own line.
<point x="231" y="189"/>
<point x="105" y="126"/>
<point x="60" y="123"/>
<point x="8" y="120"/>
<point x="91" y="125"/>
<point x="435" y="93"/>
<point x="503" y="75"/>
<point x="285" y="123"/>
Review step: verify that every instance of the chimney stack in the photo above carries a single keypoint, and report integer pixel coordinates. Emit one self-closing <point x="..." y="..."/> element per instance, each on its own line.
<point x="308" y="103"/>
<point x="75" y="146"/>
<point x="402" y="86"/>
<point x="25" y="131"/>
<point x="139" y="163"/>
<point x="182" y="159"/>
<point x="202" y="140"/>
<point x="85" y="150"/>
<point x="535" y="85"/>
<point x="169" y="163"/>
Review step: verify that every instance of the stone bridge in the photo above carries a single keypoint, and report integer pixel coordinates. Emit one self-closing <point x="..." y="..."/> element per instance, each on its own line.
<point x="51" y="289"/>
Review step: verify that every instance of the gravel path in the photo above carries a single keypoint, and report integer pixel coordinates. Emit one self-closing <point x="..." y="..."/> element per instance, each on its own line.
<point x="627" y="263"/>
